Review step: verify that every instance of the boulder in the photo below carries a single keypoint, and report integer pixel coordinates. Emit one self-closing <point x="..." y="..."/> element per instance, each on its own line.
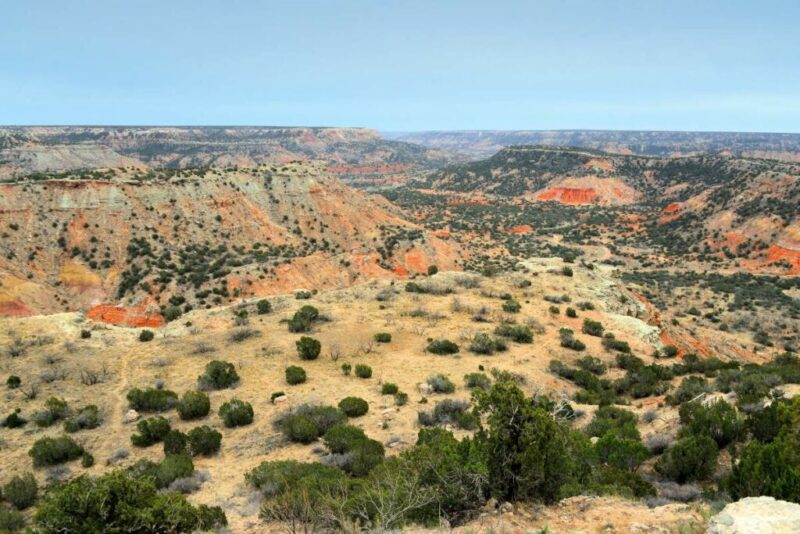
<point x="757" y="515"/>
<point x="130" y="416"/>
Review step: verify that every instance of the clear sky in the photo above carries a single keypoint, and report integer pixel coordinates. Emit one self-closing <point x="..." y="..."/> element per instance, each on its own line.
<point x="404" y="65"/>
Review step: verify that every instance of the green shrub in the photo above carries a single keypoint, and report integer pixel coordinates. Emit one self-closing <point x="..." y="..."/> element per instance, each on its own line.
<point x="592" y="364"/>
<point x="389" y="389"/>
<point x="54" y="451"/>
<point x="511" y="306"/>
<point x="194" y="405"/>
<point x="477" y="380"/>
<point x="529" y="457"/>
<point x="401" y="398"/>
<point x="765" y="424"/>
<point x="152" y="400"/>
<point x="175" y="442"/>
<point x="342" y="438"/>
<point x="690" y="458"/>
<point x="263" y="307"/>
<point x="308" y="348"/>
<point x="483" y="343"/>
<point x="307" y="422"/>
<point x="719" y="420"/>
<point x="236" y="412"/>
<point x="324" y="417"/>
<point x="11" y="520"/>
<point x="87" y="417"/>
<point x="432" y="269"/>
<point x="363" y="457"/>
<point x="346" y="368"/>
<point x="21" y="491"/>
<point x="569" y="341"/>
<point x="690" y="388"/>
<point x="218" y="375"/>
<point x="151" y="430"/>
<point x="14" y="420"/>
<point x="566" y="270"/>
<point x="353" y="406"/>
<point x="203" y="440"/>
<point x="13" y="382"/>
<point x="295" y="375"/>
<point x="610" y="419"/>
<point x="300" y="429"/>
<point x="363" y="370"/>
<point x="753" y="387"/>
<point x="441" y="384"/>
<point x="571" y="313"/>
<point x="87" y="460"/>
<point x="55" y="409"/>
<point x="629" y="362"/>
<point x="612" y="343"/>
<point x="115" y="502"/>
<point x="442" y="346"/>
<point x="621" y="453"/>
<point x="383" y="337"/>
<point x="171" y="313"/>
<point x="449" y="411"/>
<point x="452" y="471"/>
<point x="518" y="333"/>
<point x="669" y="351"/>
<point x="303" y="319"/>
<point x="771" y="469"/>
<point x="592" y="328"/>
<point x="275" y="477"/>
<point x="173" y="467"/>
<point x="608" y="480"/>
<point x="146" y="335"/>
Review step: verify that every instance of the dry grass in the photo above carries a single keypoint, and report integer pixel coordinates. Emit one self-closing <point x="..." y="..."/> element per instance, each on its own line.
<point x="101" y="370"/>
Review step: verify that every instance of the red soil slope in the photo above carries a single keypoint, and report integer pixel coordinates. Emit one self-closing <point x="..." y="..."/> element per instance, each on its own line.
<point x="568" y="195"/>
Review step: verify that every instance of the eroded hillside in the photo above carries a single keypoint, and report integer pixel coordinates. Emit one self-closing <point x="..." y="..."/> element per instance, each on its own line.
<point x="742" y="211"/>
<point x="483" y="143"/>
<point x="197" y="238"/>
<point x="27" y="150"/>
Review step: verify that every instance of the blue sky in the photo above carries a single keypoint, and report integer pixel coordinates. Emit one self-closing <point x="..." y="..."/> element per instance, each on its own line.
<point x="404" y="65"/>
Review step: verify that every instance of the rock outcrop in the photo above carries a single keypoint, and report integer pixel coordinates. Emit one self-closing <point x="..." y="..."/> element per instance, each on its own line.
<point x="757" y="515"/>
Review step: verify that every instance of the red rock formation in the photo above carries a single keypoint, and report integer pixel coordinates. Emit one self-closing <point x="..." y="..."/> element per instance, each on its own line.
<point x="136" y="317"/>
<point x="14" y="308"/>
<point x="520" y="229"/>
<point x="777" y="253"/>
<point x="568" y="195"/>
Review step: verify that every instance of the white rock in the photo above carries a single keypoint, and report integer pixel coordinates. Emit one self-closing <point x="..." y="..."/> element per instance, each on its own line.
<point x="278" y="400"/>
<point x="130" y="416"/>
<point x="757" y="515"/>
